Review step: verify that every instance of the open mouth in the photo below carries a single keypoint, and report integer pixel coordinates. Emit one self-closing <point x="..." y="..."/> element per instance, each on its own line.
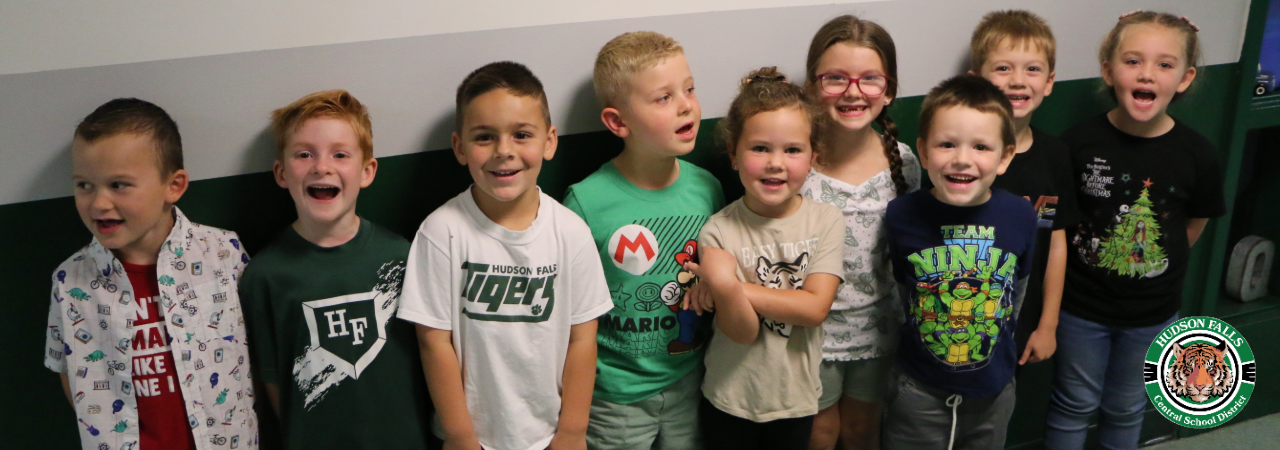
<point x="504" y="174"/>
<point x="685" y="130"/>
<point x="773" y="182"/>
<point x="960" y="179"/>
<point x="323" y="192"/>
<point x="1018" y="99"/>
<point x="851" y="110"/>
<point x="107" y="225"/>
<point x="1143" y="96"/>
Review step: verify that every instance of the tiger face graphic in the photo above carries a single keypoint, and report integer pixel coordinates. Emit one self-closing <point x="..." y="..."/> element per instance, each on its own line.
<point x="781" y="275"/>
<point x="1200" y="373"/>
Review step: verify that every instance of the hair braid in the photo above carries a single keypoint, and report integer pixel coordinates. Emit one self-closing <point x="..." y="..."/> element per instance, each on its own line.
<point x="890" y="139"/>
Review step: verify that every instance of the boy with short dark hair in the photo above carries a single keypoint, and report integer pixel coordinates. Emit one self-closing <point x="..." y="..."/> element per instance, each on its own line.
<point x="645" y="208"/>
<point x="961" y="254"/>
<point x="1015" y="51"/>
<point x="145" y="323"/>
<point x="504" y="283"/>
<point x="321" y="298"/>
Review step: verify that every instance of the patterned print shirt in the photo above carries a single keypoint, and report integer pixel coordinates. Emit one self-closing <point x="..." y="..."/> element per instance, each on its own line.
<point x="91" y="330"/>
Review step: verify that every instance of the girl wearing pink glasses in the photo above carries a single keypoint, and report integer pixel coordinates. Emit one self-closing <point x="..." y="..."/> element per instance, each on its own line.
<point x="851" y="75"/>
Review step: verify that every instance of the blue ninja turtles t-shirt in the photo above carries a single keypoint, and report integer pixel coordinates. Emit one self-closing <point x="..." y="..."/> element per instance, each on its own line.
<point x="962" y="270"/>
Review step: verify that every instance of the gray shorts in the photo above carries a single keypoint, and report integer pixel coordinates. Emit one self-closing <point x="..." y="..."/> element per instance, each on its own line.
<point x="668" y="420"/>
<point x="862" y="379"/>
<point x="919" y="417"/>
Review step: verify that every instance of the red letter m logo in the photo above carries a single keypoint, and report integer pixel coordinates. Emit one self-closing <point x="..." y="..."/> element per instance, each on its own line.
<point x="627" y="244"/>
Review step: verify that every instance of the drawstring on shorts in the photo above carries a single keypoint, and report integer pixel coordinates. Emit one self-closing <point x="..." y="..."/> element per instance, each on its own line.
<point x="954" y="402"/>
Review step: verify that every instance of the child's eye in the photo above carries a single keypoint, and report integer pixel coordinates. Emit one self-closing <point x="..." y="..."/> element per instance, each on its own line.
<point x="302" y="155"/>
<point x="84" y="186"/>
<point x="982" y="147"/>
<point x="1165" y="65"/>
<point x="760" y="149"/>
<point x="483" y="137"/>
<point x="1131" y="61"/>
<point x="1035" y="69"/>
<point x="689" y="91"/>
<point x="794" y="150"/>
<point x="1002" y="68"/>
<point x="664" y="98"/>
<point x="341" y="155"/>
<point x="524" y="135"/>
<point x="947" y="145"/>
<point x="119" y="185"/>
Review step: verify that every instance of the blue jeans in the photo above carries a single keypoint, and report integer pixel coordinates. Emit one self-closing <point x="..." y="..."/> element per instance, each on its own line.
<point x="1098" y="366"/>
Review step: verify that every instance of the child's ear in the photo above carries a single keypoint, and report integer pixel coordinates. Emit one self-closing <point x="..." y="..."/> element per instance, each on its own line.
<point x="1106" y="73"/>
<point x="1006" y="158"/>
<point x="368" y="173"/>
<point x="277" y="169"/>
<point x="733" y="155"/>
<point x="1048" y="86"/>
<point x="456" y="142"/>
<point x="553" y="140"/>
<point x="921" y="153"/>
<point x="177" y="185"/>
<point x="613" y="121"/>
<point x="1187" y="78"/>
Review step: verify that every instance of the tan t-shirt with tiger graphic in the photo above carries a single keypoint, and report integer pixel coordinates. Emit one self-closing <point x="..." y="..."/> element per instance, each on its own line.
<point x="775" y="377"/>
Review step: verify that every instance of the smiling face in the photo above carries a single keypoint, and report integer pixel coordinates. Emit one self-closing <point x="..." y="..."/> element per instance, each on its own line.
<point x="662" y="113"/>
<point x="121" y="195"/>
<point x="1148" y="68"/>
<point x="851" y="110"/>
<point x="963" y="153"/>
<point x="503" y="142"/>
<point x="1021" y="70"/>
<point x="324" y="169"/>
<point x="772" y="157"/>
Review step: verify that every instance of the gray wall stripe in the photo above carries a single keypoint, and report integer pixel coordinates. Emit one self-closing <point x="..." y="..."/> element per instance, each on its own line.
<point x="222" y="102"/>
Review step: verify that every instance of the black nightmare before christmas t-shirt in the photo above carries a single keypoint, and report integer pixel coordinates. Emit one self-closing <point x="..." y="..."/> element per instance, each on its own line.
<point x="1128" y="255"/>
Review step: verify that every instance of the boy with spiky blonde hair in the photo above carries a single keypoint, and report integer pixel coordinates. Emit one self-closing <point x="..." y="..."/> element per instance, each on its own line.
<point x="1015" y="51"/>
<point x="338" y="369"/>
<point x="645" y="208"/>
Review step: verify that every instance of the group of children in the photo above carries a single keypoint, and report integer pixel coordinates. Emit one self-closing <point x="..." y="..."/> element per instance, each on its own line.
<point x="837" y="301"/>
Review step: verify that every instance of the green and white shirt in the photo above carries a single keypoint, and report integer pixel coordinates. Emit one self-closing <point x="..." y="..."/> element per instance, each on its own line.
<point x="510" y="298"/>
<point x="324" y="330"/>
<point x="646" y="343"/>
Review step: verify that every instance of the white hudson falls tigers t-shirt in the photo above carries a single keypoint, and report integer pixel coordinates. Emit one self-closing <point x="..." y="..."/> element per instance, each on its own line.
<point x="510" y="298"/>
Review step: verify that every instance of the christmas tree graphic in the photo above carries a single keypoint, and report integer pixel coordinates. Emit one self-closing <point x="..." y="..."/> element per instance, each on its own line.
<point x="1131" y="248"/>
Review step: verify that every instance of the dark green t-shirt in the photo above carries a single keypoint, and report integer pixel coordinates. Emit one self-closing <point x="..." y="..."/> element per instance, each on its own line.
<point x="323" y="329"/>
<point x="646" y="343"/>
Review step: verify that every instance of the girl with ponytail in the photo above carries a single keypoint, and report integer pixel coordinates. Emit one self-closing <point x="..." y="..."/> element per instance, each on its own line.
<point x="851" y="75"/>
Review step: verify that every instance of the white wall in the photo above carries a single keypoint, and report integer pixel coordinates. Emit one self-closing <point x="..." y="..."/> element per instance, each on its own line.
<point x="219" y="68"/>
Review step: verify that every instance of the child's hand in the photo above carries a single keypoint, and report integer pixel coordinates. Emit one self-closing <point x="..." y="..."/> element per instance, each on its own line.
<point x="719" y="269"/>
<point x="699" y="299"/>
<point x="1040" y="346"/>
<point x="568" y="441"/>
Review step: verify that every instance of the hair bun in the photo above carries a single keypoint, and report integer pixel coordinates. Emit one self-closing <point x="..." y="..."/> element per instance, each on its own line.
<point x="764" y="74"/>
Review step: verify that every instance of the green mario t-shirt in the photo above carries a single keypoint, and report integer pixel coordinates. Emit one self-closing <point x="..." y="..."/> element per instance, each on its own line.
<point x="323" y="328"/>
<point x="644" y="236"/>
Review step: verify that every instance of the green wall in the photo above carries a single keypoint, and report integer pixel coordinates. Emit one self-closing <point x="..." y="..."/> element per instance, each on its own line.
<point x="40" y="234"/>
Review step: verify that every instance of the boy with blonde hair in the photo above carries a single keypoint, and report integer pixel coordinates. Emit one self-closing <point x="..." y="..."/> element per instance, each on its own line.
<point x="503" y="284"/>
<point x="322" y="296"/>
<point x="1015" y="51"/>
<point x="145" y="325"/>
<point x="645" y="208"/>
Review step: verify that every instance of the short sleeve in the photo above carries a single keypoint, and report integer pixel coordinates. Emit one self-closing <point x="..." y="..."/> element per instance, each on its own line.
<point x="238" y="254"/>
<point x="571" y="202"/>
<point x="1206" y="200"/>
<point x="590" y="291"/>
<point x="429" y="288"/>
<point x="910" y="167"/>
<point x="709" y="235"/>
<point x="830" y="253"/>
<point x="55" y="357"/>
<point x="1066" y="211"/>
<point x="255" y="298"/>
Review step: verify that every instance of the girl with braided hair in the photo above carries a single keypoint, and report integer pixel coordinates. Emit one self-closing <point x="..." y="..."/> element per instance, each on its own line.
<point x="851" y="75"/>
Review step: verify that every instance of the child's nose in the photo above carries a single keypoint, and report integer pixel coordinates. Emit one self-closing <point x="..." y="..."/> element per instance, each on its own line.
<point x="505" y="148"/>
<point x="101" y="202"/>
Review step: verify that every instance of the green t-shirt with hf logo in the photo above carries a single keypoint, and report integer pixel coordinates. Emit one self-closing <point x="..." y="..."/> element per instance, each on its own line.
<point x="323" y="329"/>
<point x="646" y="343"/>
